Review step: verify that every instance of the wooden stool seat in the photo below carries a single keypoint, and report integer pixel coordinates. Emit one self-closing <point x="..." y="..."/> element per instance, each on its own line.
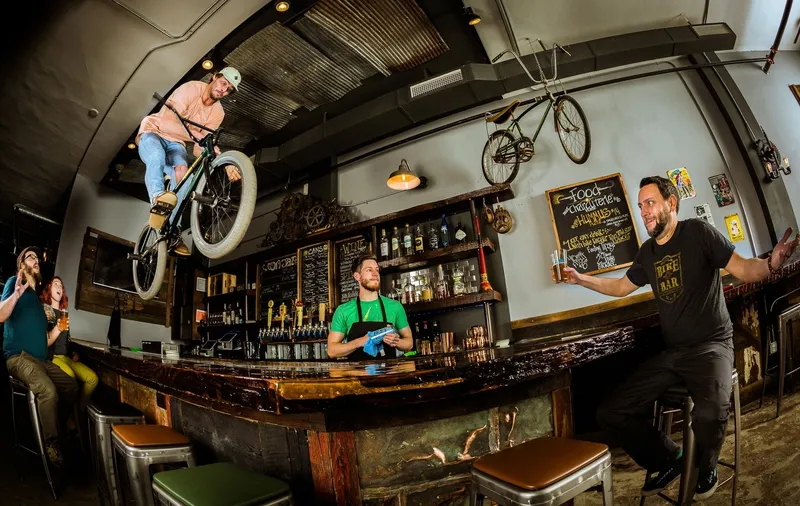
<point x="149" y="435"/>
<point x="541" y="462"/>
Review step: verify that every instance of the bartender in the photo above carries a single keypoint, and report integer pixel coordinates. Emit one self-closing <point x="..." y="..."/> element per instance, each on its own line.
<point x="367" y="312"/>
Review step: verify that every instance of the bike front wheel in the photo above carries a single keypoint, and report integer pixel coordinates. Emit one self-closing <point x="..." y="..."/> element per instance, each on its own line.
<point x="572" y="129"/>
<point x="148" y="271"/>
<point x="500" y="159"/>
<point x="222" y="214"/>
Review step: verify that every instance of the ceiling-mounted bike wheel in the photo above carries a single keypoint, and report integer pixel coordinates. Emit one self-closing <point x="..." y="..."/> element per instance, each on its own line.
<point x="573" y="129"/>
<point x="148" y="271"/>
<point x="500" y="161"/>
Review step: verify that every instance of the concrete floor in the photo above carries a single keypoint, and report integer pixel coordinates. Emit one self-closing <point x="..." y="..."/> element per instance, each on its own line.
<point x="770" y="468"/>
<point x="770" y="474"/>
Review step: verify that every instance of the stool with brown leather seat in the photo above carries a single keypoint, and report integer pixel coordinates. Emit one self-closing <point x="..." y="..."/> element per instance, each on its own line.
<point x="542" y="471"/>
<point x="140" y="446"/>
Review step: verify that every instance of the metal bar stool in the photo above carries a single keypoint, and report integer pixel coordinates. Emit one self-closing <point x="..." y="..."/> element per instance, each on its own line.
<point x="678" y="400"/>
<point x="102" y="417"/>
<point x="32" y="442"/>
<point x="215" y="484"/>
<point x="140" y="446"/>
<point x="784" y="322"/>
<point x="543" y="471"/>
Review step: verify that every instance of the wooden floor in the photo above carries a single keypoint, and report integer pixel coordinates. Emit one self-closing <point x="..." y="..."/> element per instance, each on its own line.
<point x="770" y="463"/>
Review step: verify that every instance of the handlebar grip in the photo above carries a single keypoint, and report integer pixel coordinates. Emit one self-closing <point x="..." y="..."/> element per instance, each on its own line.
<point x="158" y="97"/>
<point x="494" y="60"/>
<point x="541" y="44"/>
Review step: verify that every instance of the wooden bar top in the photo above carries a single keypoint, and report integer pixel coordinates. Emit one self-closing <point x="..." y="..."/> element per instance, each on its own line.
<point x="322" y="395"/>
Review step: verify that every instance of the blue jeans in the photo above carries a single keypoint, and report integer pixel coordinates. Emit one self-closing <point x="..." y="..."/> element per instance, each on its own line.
<point x="160" y="157"/>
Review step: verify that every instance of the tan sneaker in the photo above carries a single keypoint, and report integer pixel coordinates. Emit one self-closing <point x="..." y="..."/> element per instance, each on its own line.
<point x="180" y="249"/>
<point x="162" y="207"/>
<point x="54" y="453"/>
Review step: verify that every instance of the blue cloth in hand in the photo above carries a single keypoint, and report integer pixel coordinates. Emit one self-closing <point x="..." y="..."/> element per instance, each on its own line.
<point x="375" y="339"/>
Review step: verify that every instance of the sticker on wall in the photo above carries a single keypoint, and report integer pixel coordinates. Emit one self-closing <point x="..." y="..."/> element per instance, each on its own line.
<point x="735" y="230"/>
<point x="704" y="213"/>
<point x="680" y="178"/>
<point x="721" y="189"/>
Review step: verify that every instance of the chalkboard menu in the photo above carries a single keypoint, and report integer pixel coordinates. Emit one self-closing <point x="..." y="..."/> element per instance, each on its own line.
<point x="346" y="251"/>
<point x="278" y="283"/>
<point x="315" y="274"/>
<point x="592" y="221"/>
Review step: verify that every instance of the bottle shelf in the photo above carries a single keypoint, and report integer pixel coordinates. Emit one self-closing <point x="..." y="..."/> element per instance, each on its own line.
<point x="454" y="302"/>
<point x="435" y="257"/>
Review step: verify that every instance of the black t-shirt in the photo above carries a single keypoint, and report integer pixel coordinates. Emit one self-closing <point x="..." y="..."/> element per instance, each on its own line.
<point x="684" y="275"/>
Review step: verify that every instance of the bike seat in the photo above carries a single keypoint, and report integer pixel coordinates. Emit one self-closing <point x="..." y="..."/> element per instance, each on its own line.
<point x="504" y="114"/>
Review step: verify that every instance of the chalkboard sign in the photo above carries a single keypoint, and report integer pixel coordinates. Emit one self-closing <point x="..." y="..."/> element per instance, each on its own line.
<point x="346" y="251"/>
<point x="315" y="275"/>
<point x="592" y="221"/>
<point x="278" y="282"/>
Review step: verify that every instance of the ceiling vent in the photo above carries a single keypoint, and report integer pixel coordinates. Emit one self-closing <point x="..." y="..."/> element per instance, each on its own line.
<point x="436" y="83"/>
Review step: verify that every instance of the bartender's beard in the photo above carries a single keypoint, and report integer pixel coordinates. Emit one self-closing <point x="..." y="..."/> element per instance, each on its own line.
<point x="32" y="276"/>
<point x="372" y="286"/>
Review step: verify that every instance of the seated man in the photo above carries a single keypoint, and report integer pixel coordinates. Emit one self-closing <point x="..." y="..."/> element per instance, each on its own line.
<point x="162" y="139"/>
<point x="25" y="338"/>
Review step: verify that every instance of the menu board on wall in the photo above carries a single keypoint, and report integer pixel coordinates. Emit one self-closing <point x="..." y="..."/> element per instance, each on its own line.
<point x="346" y="251"/>
<point x="278" y="283"/>
<point x="315" y="275"/>
<point x="592" y="220"/>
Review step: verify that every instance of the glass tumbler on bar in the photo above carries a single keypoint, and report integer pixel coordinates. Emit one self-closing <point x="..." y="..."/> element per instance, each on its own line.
<point x="559" y="259"/>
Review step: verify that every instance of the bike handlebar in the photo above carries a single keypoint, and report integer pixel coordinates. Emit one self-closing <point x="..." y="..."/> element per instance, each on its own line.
<point x="525" y="68"/>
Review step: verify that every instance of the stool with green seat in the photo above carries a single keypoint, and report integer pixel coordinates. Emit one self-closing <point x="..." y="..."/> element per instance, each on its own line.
<point x="219" y="484"/>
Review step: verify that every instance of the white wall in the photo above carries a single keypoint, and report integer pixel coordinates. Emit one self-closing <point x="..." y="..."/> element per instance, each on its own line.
<point x="775" y="107"/>
<point x="639" y="128"/>
<point x="91" y="205"/>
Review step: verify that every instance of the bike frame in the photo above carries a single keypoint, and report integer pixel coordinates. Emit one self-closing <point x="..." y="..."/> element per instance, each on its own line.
<point x="515" y="123"/>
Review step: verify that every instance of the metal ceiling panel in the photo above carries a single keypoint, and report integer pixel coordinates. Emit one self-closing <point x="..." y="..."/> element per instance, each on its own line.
<point x="393" y="35"/>
<point x="282" y="61"/>
<point x="349" y="60"/>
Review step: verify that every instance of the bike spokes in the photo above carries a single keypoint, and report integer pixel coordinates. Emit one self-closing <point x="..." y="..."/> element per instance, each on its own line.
<point x="573" y="129"/>
<point x="221" y="198"/>
<point x="501" y="158"/>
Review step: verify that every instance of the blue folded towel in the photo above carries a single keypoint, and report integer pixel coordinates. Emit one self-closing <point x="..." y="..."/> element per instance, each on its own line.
<point x="375" y="339"/>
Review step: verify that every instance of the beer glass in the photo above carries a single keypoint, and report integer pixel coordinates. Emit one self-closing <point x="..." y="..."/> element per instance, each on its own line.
<point x="559" y="260"/>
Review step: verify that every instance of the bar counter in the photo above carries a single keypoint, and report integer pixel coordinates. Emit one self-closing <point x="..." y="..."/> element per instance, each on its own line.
<point x="397" y="431"/>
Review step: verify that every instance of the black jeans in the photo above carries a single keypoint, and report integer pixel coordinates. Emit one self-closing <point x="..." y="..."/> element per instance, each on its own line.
<point x="705" y="369"/>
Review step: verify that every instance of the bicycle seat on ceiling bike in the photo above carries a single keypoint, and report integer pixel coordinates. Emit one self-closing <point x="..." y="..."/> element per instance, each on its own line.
<point x="504" y="114"/>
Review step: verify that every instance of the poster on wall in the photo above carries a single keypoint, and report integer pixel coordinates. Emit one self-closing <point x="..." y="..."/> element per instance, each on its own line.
<point x="722" y="190"/>
<point x="704" y="213"/>
<point x="680" y="178"/>
<point x="735" y="230"/>
<point x="592" y="220"/>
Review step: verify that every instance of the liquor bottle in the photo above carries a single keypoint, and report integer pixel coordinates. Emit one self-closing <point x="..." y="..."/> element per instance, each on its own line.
<point x="426" y="335"/>
<point x="408" y="242"/>
<point x="458" y="281"/>
<point x="444" y="229"/>
<point x="384" y="245"/>
<point x="417" y="338"/>
<point x="442" y="290"/>
<point x="437" y="333"/>
<point x="460" y="235"/>
<point x="426" y="292"/>
<point x="409" y="295"/>
<point x="433" y="238"/>
<point x="419" y="241"/>
<point x="398" y="293"/>
<point x="396" y="240"/>
<point x="392" y="295"/>
<point x="225" y="314"/>
<point x="241" y="314"/>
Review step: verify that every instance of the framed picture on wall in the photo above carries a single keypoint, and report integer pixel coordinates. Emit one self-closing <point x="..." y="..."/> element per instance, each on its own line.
<point x="795" y="91"/>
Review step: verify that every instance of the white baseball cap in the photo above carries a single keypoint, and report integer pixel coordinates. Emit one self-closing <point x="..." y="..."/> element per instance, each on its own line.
<point x="233" y="76"/>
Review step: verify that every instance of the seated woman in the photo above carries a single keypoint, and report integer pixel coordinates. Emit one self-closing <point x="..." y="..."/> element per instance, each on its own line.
<point x="55" y="305"/>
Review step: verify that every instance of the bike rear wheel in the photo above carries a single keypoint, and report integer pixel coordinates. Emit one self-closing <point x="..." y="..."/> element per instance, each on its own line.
<point x="500" y="159"/>
<point x="148" y="271"/>
<point x="573" y="129"/>
<point x="222" y="217"/>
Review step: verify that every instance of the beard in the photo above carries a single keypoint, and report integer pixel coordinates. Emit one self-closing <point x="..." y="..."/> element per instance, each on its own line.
<point x="32" y="276"/>
<point x="372" y="286"/>
<point x="661" y="224"/>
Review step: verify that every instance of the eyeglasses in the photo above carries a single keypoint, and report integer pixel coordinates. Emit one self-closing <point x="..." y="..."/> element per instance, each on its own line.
<point x="31" y="256"/>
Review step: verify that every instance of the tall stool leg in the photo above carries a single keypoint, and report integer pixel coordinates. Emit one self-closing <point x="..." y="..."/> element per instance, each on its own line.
<point x="781" y="368"/>
<point x="737" y="420"/>
<point x="473" y="494"/>
<point x="770" y="337"/>
<point x="139" y="470"/>
<point x="37" y="430"/>
<point x="14" y="428"/>
<point x="608" y="494"/>
<point x="686" y="492"/>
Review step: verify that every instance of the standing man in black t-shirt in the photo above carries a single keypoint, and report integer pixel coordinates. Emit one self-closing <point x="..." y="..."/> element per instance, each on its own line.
<point x="681" y="262"/>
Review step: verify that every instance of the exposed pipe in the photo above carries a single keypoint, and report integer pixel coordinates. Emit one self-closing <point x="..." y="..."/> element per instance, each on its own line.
<point x="705" y="12"/>
<point x="507" y="23"/>
<point x="778" y="36"/>
<point x="22" y="209"/>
